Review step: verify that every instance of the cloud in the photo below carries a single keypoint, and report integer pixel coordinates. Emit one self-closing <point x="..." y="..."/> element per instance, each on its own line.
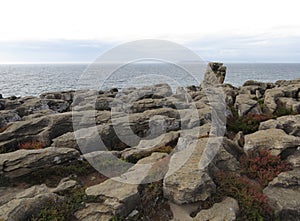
<point x="230" y="48"/>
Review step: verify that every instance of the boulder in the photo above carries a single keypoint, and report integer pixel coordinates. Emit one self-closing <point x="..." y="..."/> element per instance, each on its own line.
<point x="271" y="98"/>
<point x="215" y="74"/>
<point x="274" y="140"/>
<point x="225" y="210"/>
<point x="184" y="181"/>
<point x="290" y="104"/>
<point x="23" y="162"/>
<point x="284" y="195"/>
<point x="290" y="124"/>
<point x="294" y="159"/>
<point x="245" y="104"/>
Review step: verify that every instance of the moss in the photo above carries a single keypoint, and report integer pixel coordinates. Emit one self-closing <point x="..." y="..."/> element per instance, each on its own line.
<point x="282" y="111"/>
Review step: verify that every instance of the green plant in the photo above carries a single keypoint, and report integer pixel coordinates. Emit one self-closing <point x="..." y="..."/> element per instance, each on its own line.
<point x="29" y="145"/>
<point x="282" y="111"/>
<point x="262" y="166"/>
<point x="253" y="203"/>
<point x="63" y="211"/>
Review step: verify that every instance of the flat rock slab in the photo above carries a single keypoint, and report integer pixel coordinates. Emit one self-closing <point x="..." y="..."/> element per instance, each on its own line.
<point x="21" y="162"/>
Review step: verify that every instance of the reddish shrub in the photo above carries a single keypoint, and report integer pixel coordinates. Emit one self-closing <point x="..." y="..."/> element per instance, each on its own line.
<point x="253" y="203"/>
<point x="31" y="145"/>
<point x="262" y="166"/>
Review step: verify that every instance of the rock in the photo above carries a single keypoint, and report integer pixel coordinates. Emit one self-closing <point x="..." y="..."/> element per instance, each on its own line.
<point x="226" y="157"/>
<point x="245" y="104"/>
<point x="119" y="196"/>
<point x="147" y="147"/>
<point x="64" y="95"/>
<point x="103" y="103"/>
<point x="215" y="74"/>
<point x="239" y="139"/>
<point x="225" y="210"/>
<point x="66" y="140"/>
<point x="294" y="159"/>
<point x="185" y="182"/>
<point x="230" y="93"/>
<point x="2" y="104"/>
<point x="23" y="162"/>
<point x="284" y="195"/>
<point x="290" y="124"/>
<point x="290" y="104"/>
<point x="43" y="129"/>
<point x="28" y="203"/>
<point x="262" y="85"/>
<point x="8" y="116"/>
<point x="287" y="82"/>
<point x="94" y="211"/>
<point x="271" y="98"/>
<point x="65" y="184"/>
<point x="274" y="140"/>
<point x="289" y="179"/>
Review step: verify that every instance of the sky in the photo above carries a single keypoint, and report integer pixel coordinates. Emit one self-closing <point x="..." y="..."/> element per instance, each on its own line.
<point x="38" y="31"/>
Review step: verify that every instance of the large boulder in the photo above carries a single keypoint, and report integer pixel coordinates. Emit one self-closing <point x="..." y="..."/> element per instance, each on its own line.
<point x="185" y="182"/>
<point x="274" y="140"/>
<point x="226" y="210"/>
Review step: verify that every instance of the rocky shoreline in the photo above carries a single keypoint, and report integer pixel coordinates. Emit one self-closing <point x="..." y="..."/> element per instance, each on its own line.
<point x="207" y="152"/>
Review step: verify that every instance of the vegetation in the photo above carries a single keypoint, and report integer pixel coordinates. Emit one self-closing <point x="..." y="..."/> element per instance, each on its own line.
<point x="252" y="202"/>
<point x="31" y="145"/>
<point x="262" y="166"/>
<point x="282" y="111"/>
<point x="64" y="211"/>
<point x="248" y="123"/>
<point x="257" y="170"/>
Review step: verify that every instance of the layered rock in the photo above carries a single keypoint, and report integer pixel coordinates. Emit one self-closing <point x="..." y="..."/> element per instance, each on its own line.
<point x="23" y="162"/>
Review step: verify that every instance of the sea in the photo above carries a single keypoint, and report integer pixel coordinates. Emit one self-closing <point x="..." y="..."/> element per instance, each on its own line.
<point x="35" y="79"/>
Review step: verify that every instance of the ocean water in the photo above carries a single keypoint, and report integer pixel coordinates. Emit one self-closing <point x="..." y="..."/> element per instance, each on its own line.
<point x="34" y="79"/>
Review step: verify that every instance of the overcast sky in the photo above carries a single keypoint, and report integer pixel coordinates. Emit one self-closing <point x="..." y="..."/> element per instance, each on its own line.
<point x="79" y="31"/>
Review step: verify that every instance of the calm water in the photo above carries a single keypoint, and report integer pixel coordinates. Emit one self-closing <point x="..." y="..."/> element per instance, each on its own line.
<point x="34" y="79"/>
